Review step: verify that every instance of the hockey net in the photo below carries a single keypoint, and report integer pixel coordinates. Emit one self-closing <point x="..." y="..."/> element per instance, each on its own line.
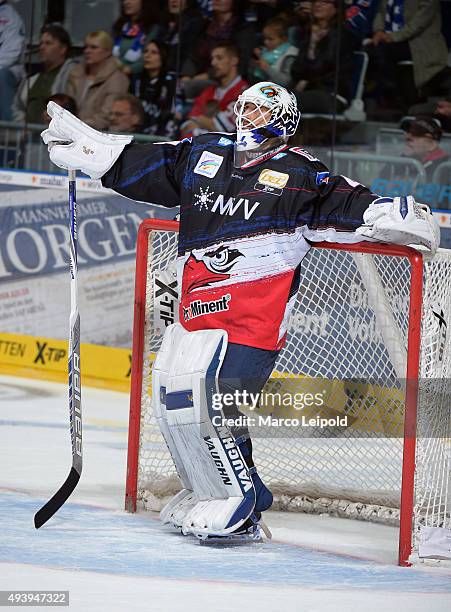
<point x="370" y="323"/>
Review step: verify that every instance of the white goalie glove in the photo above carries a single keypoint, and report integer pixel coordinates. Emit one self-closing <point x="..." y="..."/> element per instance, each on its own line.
<point x="401" y="220"/>
<point x="73" y="145"/>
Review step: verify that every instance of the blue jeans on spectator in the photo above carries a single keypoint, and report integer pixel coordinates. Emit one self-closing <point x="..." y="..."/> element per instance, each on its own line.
<point x="8" y="85"/>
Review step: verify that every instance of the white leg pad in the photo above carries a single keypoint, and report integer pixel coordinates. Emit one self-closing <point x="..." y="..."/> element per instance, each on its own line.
<point x="219" y="493"/>
<point x="178" y="507"/>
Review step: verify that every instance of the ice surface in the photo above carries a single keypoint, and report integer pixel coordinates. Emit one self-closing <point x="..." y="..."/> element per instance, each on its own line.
<point x="111" y="560"/>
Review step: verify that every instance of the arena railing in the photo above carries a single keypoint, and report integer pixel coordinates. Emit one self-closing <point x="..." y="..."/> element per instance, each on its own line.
<point x="21" y="148"/>
<point x="442" y="174"/>
<point x="365" y="167"/>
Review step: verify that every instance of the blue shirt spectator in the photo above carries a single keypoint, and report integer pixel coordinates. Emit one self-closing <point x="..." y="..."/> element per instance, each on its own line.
<point x="359" y="17"/>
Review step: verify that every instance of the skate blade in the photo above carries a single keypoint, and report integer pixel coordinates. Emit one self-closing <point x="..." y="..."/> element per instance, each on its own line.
<point x="266" y="530"/>
<point x="232" y="540"/>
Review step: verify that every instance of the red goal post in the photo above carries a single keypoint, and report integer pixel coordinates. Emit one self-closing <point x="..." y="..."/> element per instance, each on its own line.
<point x="384" y="327"/>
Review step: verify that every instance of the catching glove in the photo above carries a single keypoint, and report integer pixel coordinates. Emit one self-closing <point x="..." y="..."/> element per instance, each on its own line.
<point x="73" y="145"/>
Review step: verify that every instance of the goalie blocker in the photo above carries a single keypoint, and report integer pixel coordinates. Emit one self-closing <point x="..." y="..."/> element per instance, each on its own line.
<point x="401" y="220"/>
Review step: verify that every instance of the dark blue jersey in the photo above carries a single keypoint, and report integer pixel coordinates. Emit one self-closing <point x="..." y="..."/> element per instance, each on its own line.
<point x="243" y="232"/>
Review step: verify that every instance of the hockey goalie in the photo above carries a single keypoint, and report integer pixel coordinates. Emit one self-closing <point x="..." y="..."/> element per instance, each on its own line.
<point x="250" y="206"/>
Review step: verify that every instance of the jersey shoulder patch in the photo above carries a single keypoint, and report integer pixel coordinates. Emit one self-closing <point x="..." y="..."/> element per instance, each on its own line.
<point x="322" y="177"/>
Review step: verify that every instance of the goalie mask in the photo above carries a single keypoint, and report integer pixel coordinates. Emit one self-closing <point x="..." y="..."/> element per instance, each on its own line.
<point x="266" y="116"/>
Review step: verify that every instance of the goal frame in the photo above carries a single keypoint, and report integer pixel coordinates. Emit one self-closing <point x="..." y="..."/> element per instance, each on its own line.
<point x="415" y="259"/>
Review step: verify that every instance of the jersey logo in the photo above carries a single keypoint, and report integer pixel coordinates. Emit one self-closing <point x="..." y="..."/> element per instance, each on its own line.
<point x="304" y="153"/>
<point x="207" y="200"/>
<point x="198" y="308"/>
<point x="269" y="91"/>
<point x="322" y="177"/>
<point x="208" y="164"/>
<point x="273" y="178"/>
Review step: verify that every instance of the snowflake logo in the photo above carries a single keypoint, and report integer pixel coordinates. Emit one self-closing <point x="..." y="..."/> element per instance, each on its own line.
<point x="204" y="198"/>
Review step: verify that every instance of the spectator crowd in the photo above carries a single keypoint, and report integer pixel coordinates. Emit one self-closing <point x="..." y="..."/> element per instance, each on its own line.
<point x="173" y="68"/>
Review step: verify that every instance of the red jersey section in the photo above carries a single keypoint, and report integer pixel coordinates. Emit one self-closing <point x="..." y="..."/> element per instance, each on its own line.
<point x="262" y="300"/>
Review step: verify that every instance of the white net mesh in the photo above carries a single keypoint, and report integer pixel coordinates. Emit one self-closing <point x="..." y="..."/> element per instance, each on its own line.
<point x="348" y="334"/>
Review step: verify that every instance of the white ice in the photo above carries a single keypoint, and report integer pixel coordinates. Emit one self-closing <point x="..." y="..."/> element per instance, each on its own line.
<point x="111" y="560"/>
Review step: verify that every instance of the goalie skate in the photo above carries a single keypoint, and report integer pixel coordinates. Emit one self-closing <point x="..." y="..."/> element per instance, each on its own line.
<point x="250" y="533"/>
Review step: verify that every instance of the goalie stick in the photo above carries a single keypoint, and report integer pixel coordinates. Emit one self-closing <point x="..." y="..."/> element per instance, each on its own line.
<point x="53" y="505"/>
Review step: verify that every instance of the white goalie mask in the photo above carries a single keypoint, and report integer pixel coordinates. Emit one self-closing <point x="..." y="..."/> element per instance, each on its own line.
<point x="266" y="116"/>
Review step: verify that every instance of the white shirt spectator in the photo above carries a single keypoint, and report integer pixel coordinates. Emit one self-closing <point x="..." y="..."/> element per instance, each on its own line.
<point x="12" y="40"/>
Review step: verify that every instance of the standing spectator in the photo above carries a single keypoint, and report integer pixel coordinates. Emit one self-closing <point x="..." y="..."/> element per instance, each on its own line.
<point x="182" y="24"/>
<point x="96" y="81"/>
<point x="274" y="61"/>
<point x="12" y="42"/>
<point x="313" y="71"/>
<point x="408" y="30"/>
<point x="126" y="115"/>
<point x="156" y="88"/>
<point x="213" y="108"/>
<point x="226" y="25"/>
<point x="137" y="23"/>
<point x="33" y="93"/>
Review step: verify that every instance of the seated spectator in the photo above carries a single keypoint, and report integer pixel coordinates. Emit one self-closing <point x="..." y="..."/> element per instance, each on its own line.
<point x="301" y="19"/>
<point x="62" y="100"/>
<point x="12" y="42"/>
<point x="126" y="115"/>
<point x="438" y="99"/>
<point x="96" y="81"/>
<point x="226" y="25"/>
<point x="33" y="93"/>
<point x="422" y="142"/>
<point x="137" y="24"/>
<point x="205" y="7"/>
<point x="182" y="23"/>
<point x="156" y="88"/>
<point x="314" y="70"/>
<point x="407" y="30"/>
<point x="261" y="11"/>
<point x="213" y="108"/>
<point x="273" y="62"/>
<point x="443" y="111"/>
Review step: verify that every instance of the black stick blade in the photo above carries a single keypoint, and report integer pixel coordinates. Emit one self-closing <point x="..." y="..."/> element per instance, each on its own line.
<point x="53" y="505"/>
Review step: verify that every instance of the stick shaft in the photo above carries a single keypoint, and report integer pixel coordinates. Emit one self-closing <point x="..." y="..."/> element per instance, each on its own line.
<point x="58" y="499"/>
<point x="74" y="336"/>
